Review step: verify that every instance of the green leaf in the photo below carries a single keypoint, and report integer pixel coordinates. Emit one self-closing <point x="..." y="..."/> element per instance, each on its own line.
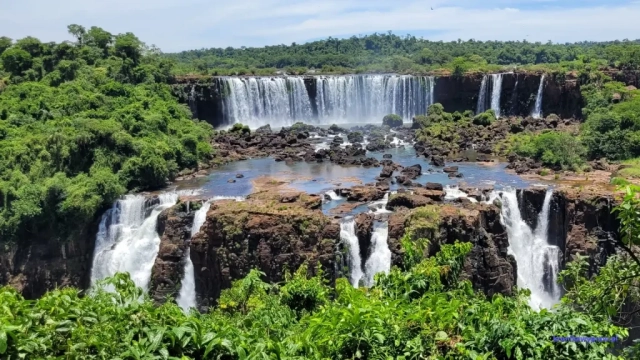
<point x="441" y="336"/>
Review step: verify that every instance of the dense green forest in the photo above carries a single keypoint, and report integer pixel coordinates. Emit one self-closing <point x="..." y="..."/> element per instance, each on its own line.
<point x="80" y="124"/>
<point x="407" y="54"/>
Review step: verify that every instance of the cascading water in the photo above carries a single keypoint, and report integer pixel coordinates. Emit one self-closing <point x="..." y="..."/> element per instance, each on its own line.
<point x="256" y="101"/>
<point x="349" y="237"/>
<point x="368" y="98"/>
<point x="452" y="192"/>
<point x="496" y="81"/>
<point x="482" y="97"/>
<point x="127" y="240"/>
<point x="537" y="110"/>
<point x="380" y="258"/>
<point x="538" y="261"/>
<point x="332" y="195"/>
<point x="187" y="297"/>
<point x="282" y="101"/>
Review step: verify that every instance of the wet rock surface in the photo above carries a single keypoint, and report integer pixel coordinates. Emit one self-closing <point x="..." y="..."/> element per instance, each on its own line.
<point x="174" y="225"/>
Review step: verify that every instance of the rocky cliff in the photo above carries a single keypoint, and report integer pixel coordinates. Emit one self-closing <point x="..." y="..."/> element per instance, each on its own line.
<point x="561" y="94"/>
<point x="269" y="232"/>
<point x="582" y="222"/>
<point x="40" y="263"/>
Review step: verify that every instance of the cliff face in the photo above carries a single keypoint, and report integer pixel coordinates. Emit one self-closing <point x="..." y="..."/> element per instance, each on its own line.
<point x="42" y="263"/>
<point x="174" y="225"/>
<point x="561" y="96"/>
<point x="266" y="232"/>
<point x="489" y="268"/>
<point x="581" y="223"/>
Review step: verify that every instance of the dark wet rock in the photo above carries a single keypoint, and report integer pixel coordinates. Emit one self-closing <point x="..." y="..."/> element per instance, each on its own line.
<point x="355" y="137"/>
<point x="174" y="226"/>
<point x="407" y="200"/>
<point x="239" y="176"/>
<point x="433" y="186"/>
<point x="450" y="169"/>
<point x="386" y="156"/>
<point x="454" y="175"/>
<point x="364" y="230"/>
<point x="264" y="130"/>
<point x="404" y="180"/>
<point x="433" y="194"/>
<point x="362" y="193"/>
<point x="387" y="171"/>
<point x="437" y="161"/>
<point x="412" y="172"/>
<point x="231" y="181"/>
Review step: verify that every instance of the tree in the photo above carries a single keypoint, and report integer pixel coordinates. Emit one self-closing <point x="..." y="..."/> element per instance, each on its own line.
<point x="78" y="32"/>
<point x="5" y="43"/>
<point x="16" y="60"/>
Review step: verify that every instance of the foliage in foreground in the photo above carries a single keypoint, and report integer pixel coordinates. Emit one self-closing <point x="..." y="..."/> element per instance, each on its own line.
<point x="555" y="149"/>
<point x="416" y="314"/>
<point x="80" y="124"/>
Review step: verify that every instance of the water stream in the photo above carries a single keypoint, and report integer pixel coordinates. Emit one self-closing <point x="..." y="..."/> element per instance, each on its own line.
<point x="380" y="258"/>
<point x="537" y="110"/>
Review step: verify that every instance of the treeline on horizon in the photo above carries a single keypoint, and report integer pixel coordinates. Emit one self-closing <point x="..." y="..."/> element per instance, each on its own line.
<point x="407" y="54"/>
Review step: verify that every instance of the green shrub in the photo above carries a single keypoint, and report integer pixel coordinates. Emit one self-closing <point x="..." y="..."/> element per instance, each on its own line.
<point x="239" y="128"/>
<point x="392" y="120"/>
<point x="555" y="149"/>
<point x="420" y="121"/>
<point x="486" y="118"/>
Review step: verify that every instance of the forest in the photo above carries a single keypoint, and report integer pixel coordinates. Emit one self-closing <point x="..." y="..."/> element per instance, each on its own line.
<point x="82" y="123"/>
<point x="407" y="54"/>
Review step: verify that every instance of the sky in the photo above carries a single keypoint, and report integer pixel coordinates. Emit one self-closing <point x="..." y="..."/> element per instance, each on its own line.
<point x="177" y="25"/>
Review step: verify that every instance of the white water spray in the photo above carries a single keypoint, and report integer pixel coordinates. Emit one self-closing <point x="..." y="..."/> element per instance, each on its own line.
<point x="496" y="92"/>
<point x="453" y="192"/>
<point x="482" y="97"/>
<point x="380" y="258"/>
<point x="127" y="240"/>
<point x="538" y="261"/>
<point x="537" y="110"/>
<point x="348" y="235"/>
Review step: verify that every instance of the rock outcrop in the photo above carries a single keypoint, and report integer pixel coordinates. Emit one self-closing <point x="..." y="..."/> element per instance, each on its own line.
<point x="44" y="261"/>
<point x="174" y="225"/>
<point x="264" y="233"/>
<point x="488" y="266"/>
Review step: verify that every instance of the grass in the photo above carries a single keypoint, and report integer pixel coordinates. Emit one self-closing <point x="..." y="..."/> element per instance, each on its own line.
<point x="632" y="169"/>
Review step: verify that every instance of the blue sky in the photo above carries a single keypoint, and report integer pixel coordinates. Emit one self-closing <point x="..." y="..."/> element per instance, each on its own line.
<point x="175" y="25"/>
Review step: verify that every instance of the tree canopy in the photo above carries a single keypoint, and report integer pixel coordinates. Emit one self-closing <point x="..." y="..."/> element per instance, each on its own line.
<point x="82" y="123"/>
<point x="390" y="52"/>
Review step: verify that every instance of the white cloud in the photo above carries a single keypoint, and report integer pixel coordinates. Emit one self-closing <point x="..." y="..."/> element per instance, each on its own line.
<point x="175" y="25"/>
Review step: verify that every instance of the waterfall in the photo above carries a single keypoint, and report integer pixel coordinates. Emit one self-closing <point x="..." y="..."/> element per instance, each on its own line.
<point x="332" y="195"/>
<point x="257" y="101"/>
<point x="348" y="236"/>
<point x="380" y="258"/>
<point x="537" y="110"/>
<point x="496" y="81"/>
<point x="127" y="240"/>
<point x="380" y="206"/>
<point x="482" y="97"/>
<point x="538" y="261"/>
<point x="454" y="192"/>
<point x="282" y="101"/>
<point x="187" y="297"/>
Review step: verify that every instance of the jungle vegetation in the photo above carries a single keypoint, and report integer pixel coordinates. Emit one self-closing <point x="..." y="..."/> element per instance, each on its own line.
<point x="387" y="52"/>
<point x="83" y="122"/>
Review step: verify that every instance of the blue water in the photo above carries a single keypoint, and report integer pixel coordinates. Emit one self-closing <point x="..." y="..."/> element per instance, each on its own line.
<point x="317" y="178"/>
